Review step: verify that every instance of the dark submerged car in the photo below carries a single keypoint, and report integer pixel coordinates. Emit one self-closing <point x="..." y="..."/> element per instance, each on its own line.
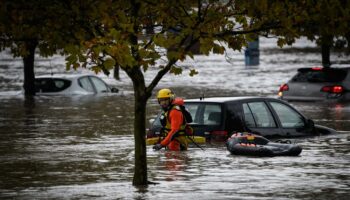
<point x="217" y="118"/>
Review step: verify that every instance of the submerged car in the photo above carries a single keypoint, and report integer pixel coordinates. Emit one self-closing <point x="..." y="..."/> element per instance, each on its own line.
<point x="217" y="118"/>
<point x="318" y="84"/>
<point x="71" y="84"/>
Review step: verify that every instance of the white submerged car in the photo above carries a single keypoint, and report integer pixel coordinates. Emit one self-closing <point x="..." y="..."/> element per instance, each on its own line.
<point x="63" y="84"/>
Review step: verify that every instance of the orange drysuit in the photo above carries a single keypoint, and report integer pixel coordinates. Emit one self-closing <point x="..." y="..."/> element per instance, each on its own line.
<point x="175" y="139"/>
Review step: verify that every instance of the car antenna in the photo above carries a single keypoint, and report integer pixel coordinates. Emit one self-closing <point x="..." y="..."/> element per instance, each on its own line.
<point x="202" y="97"/>
<point x="51" y="68"/>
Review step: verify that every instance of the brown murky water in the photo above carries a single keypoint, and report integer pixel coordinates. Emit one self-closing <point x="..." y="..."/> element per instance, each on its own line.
<point x="82" y="148"/>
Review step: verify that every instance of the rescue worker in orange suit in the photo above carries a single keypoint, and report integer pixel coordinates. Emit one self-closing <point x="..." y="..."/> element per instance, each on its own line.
<point x="173" y="122"/>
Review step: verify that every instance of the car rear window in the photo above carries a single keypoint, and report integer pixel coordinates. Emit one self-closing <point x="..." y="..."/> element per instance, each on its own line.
<point x="320" y="75"/>
<point x="51" y="84"/>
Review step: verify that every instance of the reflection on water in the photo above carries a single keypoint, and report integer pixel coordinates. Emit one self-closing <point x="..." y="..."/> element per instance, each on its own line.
<point x="334" y="115"/>
<point x="82" y="148"/>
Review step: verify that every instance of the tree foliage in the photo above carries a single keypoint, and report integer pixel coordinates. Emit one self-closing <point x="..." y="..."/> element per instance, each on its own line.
<point x="324" y="21"/>
<point x="45" y="26"/>
<point x="53" y="24"/>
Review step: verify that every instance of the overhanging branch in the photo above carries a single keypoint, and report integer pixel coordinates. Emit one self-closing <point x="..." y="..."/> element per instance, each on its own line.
<point x="160" y="75"/>
<point x="255" y="30"/>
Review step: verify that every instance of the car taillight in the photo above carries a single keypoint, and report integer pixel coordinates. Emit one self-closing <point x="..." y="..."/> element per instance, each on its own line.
<point x="218" y="135"/>
<point x="317" y="68"/>
<point x="284" y="87"/>
<point x="336" y="89"/>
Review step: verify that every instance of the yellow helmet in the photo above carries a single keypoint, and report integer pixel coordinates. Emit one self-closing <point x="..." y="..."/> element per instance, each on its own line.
<point x="165" y="93"/>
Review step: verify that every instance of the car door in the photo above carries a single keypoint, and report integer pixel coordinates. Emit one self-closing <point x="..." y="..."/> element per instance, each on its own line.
<point x="207" y="117"/>
<point x="99" y="85"/>
<point x="259" y="119"/>
<point x="86" y="84"/>
<point x="292" y="123"/>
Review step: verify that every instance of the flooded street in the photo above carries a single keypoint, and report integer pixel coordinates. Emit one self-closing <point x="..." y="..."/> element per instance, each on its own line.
<point x="82" y="147"/>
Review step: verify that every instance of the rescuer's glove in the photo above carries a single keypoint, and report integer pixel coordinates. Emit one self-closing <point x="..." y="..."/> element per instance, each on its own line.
<point x="157" y="147"/>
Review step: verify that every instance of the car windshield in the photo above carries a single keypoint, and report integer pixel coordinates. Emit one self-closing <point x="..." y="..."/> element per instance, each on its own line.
<point x="320" y="75"/>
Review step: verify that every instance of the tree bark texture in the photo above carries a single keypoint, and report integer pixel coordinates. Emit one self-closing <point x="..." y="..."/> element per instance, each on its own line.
<point x="28" y="61"/>
<point x="140" y="172"/>
<point x="116" y="72"/>
<point x="326" y="48"/>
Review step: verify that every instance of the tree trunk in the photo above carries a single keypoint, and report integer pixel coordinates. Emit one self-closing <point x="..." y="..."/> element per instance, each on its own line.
<point x="140" y="172"/>
<point x="326" y="48"/>
<point x="28" y="61"/>
<point x="116" y="72"/>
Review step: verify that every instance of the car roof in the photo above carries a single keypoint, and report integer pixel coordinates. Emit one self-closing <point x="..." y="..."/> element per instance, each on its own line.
<point x="304" y="69"/>
<point x="226" y="99"/>
<point x="64" y="76"/>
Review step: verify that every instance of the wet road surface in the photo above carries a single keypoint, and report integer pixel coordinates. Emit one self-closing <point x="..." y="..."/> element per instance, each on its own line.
<point x="83" y="148"/>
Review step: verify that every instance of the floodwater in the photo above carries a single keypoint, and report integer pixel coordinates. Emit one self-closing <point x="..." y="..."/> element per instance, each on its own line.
<point x="82" y="147"/>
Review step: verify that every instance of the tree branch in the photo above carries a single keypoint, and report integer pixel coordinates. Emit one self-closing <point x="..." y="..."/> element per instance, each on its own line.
<point x="159" y="76"/>
<point x="255" y="30"/>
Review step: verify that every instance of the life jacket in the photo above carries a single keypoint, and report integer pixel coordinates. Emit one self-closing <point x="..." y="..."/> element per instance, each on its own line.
<point x="185" y="129"/>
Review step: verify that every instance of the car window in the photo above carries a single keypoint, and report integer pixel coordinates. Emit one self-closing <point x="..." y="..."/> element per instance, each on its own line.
<point x="85" y="83"/>
<point x="289" y="118"/>
<point x="193" y="109"/>
<point x="248" y="116"/>
<point x="325" y="75"/>
<point x="233" y="120"/>
<point x="257" y="114"/>
<point x="205" y="114"/>
<point x="99" y="85"/>
<point x="51" y="84"/>
<point x="157" y="121"/>
<point x="212" y="114"/>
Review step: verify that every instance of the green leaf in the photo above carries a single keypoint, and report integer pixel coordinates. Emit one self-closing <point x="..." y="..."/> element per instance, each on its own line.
<point x="96" y="69"/>
<point x="109" y="63"/>
<point x="175" y="70"/>
<point x="173" y="55"/>
<point x="193" y="72"/>
<point x="218" y="49"/>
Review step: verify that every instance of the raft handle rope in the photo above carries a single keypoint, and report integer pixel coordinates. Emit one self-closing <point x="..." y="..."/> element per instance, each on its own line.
<point x="284" y="141"/>
<point x="195" y="143"/>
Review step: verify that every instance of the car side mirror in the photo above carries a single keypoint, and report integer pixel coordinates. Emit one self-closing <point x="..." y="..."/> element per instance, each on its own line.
<point x="114" y="90"/>
<point x="151" y="121"/>
<point x="310" y="124"/>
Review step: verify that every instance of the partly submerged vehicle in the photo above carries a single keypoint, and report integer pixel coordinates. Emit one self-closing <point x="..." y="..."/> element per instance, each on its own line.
<point x="318" y="84"/>
<point x="71" y="84"/>
<point x="248" y="144"/>
<point x="216" y="118"/>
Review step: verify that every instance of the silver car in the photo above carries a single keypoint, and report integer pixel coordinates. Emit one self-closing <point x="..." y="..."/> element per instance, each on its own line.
<point x="318" y="84"/>
<point x="71" y="84"/>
